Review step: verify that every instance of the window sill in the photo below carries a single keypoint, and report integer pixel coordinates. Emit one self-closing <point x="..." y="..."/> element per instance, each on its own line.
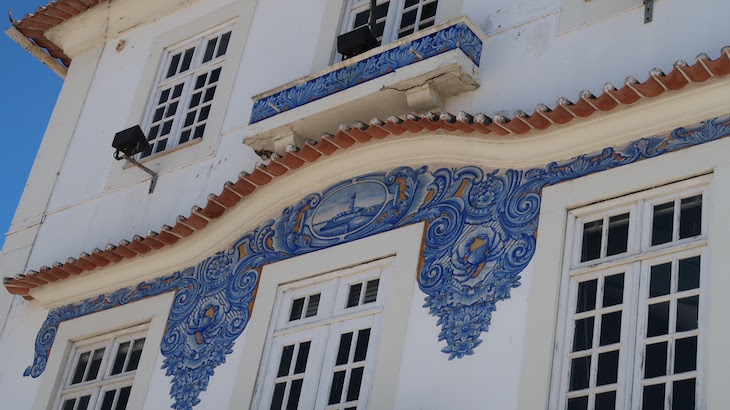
<point x="414" y="73"/>
<point x="152" y="157"/>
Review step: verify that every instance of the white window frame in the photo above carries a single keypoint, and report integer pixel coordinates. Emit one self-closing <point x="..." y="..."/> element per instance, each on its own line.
<point x="403" y="243"/>
<point x="331" y="320"/>
<point x="104" y="381"/>
<point x="635" y="264"/>
<point x="152" y="311"/>
<point x="187" y="78"/>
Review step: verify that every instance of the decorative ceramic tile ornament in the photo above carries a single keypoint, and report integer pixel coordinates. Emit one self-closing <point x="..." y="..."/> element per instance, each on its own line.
<point x="480" y="235"/>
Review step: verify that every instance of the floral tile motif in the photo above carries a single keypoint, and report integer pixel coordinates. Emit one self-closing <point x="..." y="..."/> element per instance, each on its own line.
<point x="480" y="235"/>
<point x="458" y="36"/>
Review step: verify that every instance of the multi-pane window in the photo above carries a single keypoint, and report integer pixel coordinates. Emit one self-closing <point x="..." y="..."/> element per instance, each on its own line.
<point x="186" y="83"/>
<point x="100" y="371"/>
<point x="632" y="313"/>
<point x="394" y="18"/>
<point x="323" y="340"/>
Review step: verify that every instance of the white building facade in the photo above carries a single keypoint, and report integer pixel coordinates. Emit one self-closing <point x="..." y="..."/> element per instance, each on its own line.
<point x="360" y="236"/>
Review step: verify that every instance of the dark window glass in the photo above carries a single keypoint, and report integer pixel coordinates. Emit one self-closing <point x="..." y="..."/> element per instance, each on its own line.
<point x="586" y="296"/>
<point x="153" y="133"/>
<point x="343" y="352"/>
<point x="607" y="368"/>
<point x="69" y="404"/>
<point x="158" y="114"/>
<point x="123" y="398"/>
<point x="177" y="91"/>
<point x="200" y="81"/>
<point x="338" y="382"/>
<point x="189" y="119"/>
<point x="210" y="49"/>
<point x="287" y="352"/>
<point x="172" y="69"/>
<point x="583" y="336"/>
<point x="171" y="110"/>
<point x="606" y="401"/>
<point x="302" y="356"/>
<point x="610" y="328"/>
<point x="161" y="145"/>
<point x="209" y="93"/>
<point x="427" y="24"/>
<point x="655" y="361"/>
<point x="294" y="393"/>
<point x="204" y="113"/>
<point x="199" y="131"/>
<point x="81" y="368"/>
<point x="95" y="364"/>
<point x="84" y="403"/>
<point x="685" y="355"/>
<point x="613" y="290"/>
<point x="689" y="274"/>
<point x="661" y="278"/>
<point x="658" y="321"/>
<point x="353" y="296"/>
<point x="223" y="47"/>
<point x="683" y="394"/>
<point x="690" y="217"/>
<point x="278" y="398"/>
<point x="580" y="370"/>
<point x="618" y="234"/>
<point x="312" y="305"/>
<point x="687" y="313"/>
<point x="187" y="59"/>
<point x="135" y="356"/>
<point x="591" y="240"/>
<point x="163" y="96"/>
<point x="185" y="136"/>
<point x="578" y="403"/>
<point x="653" y="397"/>
<point x="408" y="18"/>
<point x="108" y="401"/>
<point x="409" y="3"/>
<point x="361" y="348"/>
<point x="120" y="358"/>
<point x="663" y="223"/>
<point x="353" y="390"/>
<point x="297" y="307"/>
<point x="214" y="75"/>
<point x="371" y="291"/>
<point x="429" y="10"/>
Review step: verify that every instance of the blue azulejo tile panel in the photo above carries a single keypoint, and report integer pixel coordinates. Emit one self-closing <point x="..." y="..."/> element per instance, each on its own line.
<point x="481" y="228"/>
<point x="458" y="36"/>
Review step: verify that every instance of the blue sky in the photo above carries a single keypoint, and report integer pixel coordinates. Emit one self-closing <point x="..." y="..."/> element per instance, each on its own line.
<point x="29" y="91"/>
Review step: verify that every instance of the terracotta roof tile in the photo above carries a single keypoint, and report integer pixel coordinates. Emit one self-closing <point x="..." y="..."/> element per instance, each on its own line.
<point x="233" y="193"/>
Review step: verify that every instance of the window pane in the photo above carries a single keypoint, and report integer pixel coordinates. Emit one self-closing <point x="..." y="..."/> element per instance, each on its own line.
<point x="610" y="328"/>
<point x="343" y="352"/>
<point x="656" y="360"/>
<point x="607" y="368"/>
<point x="586" y="296"/>
<point x="687" y="313"/>
<point x="177" y="91"/>
<point x="108" y="400"/>
<point x="185" y="136"/>
<point x="84" y="403"/>
<point x="199" y="131"/>
<point x="580" y="370"/>
<point x="661" y="229"/>
<point x="606" y="401"/>
<point x="209" y="49"/>
<point x="353" y="297"/>
<point x="214" y="75"/>
<point x="353" y="390"/>
<point x="69" y="404"/>
<point x="578" y="403"/>
<point x="285" y="364"/>
<point x="408" y="18"/>
<point x="371" y="291"/>
<point x="81" y="368"/>
<point x="120" y="358"/>
<point x="161" y="145"/>
<point x="690" y="218"/>
<point x="592" y="240"/>
<point x="685" y="355"/>
<point x="653" y="397"/>
<point x="278" y="398"/>
<point x="689" y="274"/>
<point x="583" y="336"/>
<point x="661" y="278"/>
<point x="223" y="47"/>
<point x="683" y="394"/>
<point x="163" y="96"/>
<point x="294" y="392"/>
<point x="172" y="69"/>
<point x="429" y="10"/>
<point x="618" y="234"/>
<point x="312" y="305"/>
<point x="302" y="356"/>
<point x="187" y="59"/>
<point x="123" y="398"/>
<point x="613" y="290"/>
<point x="136" y="354"/>
<point x="361" y="348"/>
<point x="338" y="381"/>
<point x="658" y="320"/>
<point x="297" y="307"/>
<point x="95" y="364"/>
<point x="200" y="81"/>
